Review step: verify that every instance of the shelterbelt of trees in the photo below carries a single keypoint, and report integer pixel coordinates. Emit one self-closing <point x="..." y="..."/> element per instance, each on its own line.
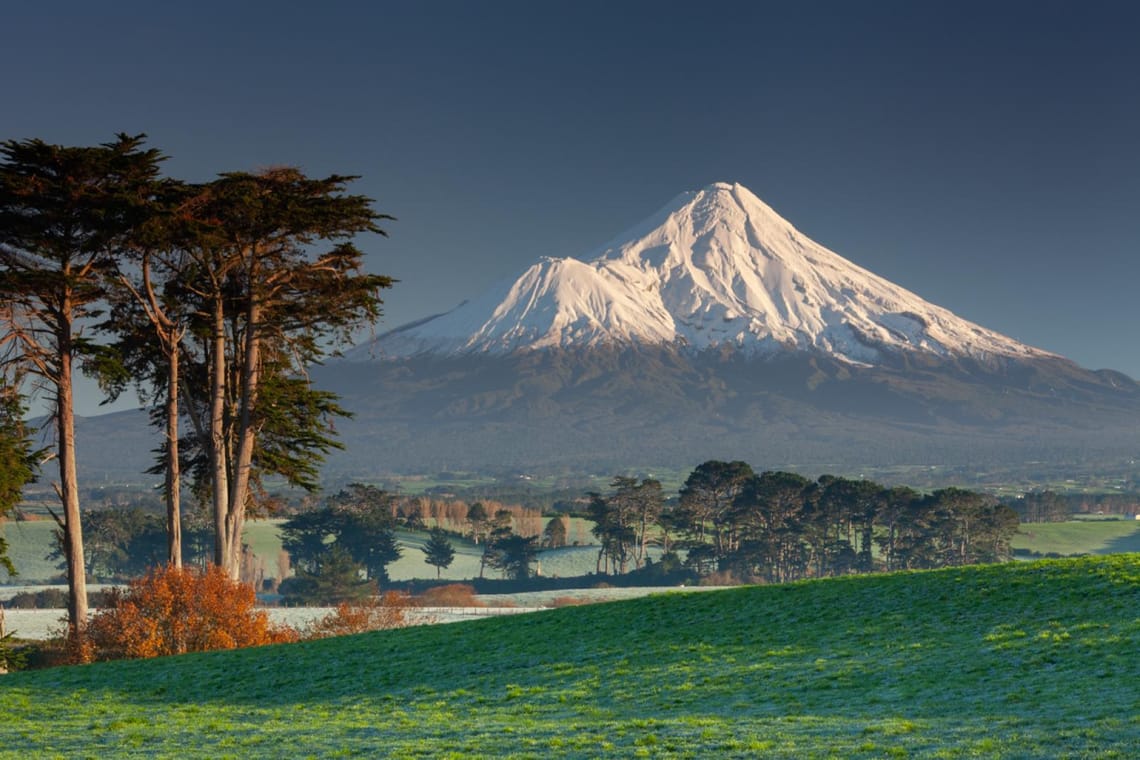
<point x="780" y="526"/>
<point x="211" y="299"/>
<point x="726" y="521"/>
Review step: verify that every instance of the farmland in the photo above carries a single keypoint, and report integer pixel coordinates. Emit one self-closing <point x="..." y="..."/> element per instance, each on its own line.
<point x="1017" y="660"/>
<point x="30" y="543"/>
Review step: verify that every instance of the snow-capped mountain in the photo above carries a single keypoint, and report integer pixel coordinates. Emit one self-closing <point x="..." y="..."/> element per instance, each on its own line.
<point x="830" y="367"/>
<point x="715" y="267"/>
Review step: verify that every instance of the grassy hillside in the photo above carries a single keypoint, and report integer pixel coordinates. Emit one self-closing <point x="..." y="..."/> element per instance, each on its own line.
<point x="1022" y="660"/>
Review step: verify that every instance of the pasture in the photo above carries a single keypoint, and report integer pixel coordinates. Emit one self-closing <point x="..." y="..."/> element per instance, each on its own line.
<point x="1079" y="537"/>
<point x="1033" y="659"/>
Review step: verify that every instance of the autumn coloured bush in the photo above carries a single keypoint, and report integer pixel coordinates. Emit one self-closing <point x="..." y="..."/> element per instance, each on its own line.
<point x="569" y="601"/>
<point x="451" y="595"/>
<point x="372" y="614"/>
<point x="174" y="611"/>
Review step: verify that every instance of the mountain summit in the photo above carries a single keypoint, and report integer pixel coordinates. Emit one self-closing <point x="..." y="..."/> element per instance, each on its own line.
<point x="715" y="268"/>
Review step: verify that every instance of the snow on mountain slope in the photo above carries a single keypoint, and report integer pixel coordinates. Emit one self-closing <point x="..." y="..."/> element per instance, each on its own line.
<point x="714" y="267"/>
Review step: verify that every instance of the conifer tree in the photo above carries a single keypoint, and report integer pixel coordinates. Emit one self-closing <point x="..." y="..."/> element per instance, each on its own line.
<point x="438" y="551"/>
<point x="277" y="285"/>
<point x="65" y="214"/>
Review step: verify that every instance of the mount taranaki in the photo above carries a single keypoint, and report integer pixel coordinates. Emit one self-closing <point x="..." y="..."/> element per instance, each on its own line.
<point x="714" y="329"/>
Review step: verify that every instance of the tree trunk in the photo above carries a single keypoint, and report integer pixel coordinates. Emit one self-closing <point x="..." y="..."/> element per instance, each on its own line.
<point x="173" y="466"/>
<point x="218" y="434"/>
<point x="69" y="493"/>
<point x="243" y="463"/>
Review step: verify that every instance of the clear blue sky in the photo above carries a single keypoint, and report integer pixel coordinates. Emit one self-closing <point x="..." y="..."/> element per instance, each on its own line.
<point x="985" y="155"/>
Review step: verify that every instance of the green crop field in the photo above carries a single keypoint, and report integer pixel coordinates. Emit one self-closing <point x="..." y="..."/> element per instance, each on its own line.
<point x="1035" y="659"/>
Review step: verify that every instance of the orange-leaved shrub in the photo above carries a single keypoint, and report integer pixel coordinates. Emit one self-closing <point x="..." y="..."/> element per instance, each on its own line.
<point x="371" y="614"/>
<point x="569" y="601"/>
<point x="451" y="595"/>
<point x="174" y="611"/>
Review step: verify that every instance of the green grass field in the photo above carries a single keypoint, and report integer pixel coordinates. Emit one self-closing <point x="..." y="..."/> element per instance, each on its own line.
<point x="1080" y="537"/>
<point x="1019" y="660"/>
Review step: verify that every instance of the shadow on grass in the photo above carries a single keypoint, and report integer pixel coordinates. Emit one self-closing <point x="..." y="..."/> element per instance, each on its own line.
<point x="1123" y="544"/>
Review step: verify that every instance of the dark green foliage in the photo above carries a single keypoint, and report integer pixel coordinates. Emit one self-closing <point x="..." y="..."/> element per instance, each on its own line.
<point x="11" y="658"/>
<point x="438" y="551"/>
<point x="498" y="529"/>
<point x="123" y="543"/>
<point x="554" y="535"/>
<point x="306" y="536"/>
<point x="623" y="520"/>
<point x="768" y="518"/>
<point x="615" y="536"/>
<point x="513" y="555"/>
<point x="296" y="429"/>
<point x="705" y="509"/>
<point x="477" y="516"/>
<point x="336" y="578"/>
<point x="1043" y="506"/>
<point x="358" y="521"/>
<point x="780" y="526"/>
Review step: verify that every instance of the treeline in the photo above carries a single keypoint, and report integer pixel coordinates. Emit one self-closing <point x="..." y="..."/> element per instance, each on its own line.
<point x="1050" y="506"/>
<point x="780" y="526"/>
